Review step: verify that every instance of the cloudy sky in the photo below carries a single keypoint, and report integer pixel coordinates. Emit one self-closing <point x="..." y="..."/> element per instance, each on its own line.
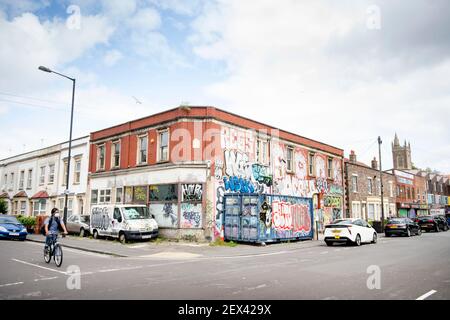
<point x="341" y="72"/>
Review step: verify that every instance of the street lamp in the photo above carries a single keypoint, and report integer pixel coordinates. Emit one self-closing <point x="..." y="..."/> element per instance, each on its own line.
<point x="66" y="192"/>
<point x="381" y="185"/>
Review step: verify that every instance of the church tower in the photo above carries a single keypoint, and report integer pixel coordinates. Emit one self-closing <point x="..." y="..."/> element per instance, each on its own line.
<point x="401" y="155"/>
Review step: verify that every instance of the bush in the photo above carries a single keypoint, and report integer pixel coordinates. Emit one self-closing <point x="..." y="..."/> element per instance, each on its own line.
<point x="3" y="207"/>
<point x="28" y="222"/>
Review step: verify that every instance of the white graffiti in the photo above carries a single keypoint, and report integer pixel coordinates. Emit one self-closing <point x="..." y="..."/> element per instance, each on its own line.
<point x="320" y="167"/>
<point x="218" y="169"/>
<point x="237" y="164"/>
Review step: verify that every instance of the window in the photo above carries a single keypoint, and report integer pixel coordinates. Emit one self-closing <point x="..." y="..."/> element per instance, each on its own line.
<point x="101" y="157"/>
<point x="142" y="147"/>
<point x="330" y="168"/>
<point x="166" y="192"/>
<point x="51" y="173"/>
<point x="140" y="194"/>
<point x="61" y="204"/>
<point x="69" y="207"/>
<point x="371" y="211"/>
<point x="355" y="183"/>
<point x="356" y="209"/>
<point x="64" y="181"/>
<point x="11" y="183"/>
<point x="391" y="189"/>
<point x="369" y="185"/>
<point x="42" y="176"/>
<point x="262" y="151"/>
<point x="398" y="191"/>
<point x="413" y="194"/>
<point x="311" y="164"/>
<point x="290" y="159"/>
<point x="23" y="207"/>
<point x="22" y="177"/>
<point x="115" y="154"/>
<point x="119" y="195"/>
<point x="15" y="207"/>
<point x="94" y="196"/>
<point x="77" y="174"/>
<point x="39" y="207"/>
<point x="80" y="206"/>
<point x="104" y="196"/>
<point x="163" y="140"/>
<point x="5" y="181"/>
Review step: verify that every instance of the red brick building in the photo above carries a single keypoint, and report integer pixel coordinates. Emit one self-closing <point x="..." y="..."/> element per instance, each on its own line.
<point x="183" y="161"/>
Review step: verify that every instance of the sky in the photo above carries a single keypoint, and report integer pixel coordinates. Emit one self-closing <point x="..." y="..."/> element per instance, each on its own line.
<point x="340" y="72"/>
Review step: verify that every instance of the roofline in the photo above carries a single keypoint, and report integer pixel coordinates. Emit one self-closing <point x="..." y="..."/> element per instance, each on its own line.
<point x="212" y="117"/>
<point x="367" y="167"/>
<point x="48" y="147"/>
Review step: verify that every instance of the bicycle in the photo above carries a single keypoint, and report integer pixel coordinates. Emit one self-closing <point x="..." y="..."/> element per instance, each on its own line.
<point x="54" y="250"/>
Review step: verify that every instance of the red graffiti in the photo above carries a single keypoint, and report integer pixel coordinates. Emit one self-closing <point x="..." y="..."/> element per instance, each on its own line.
<point x="287" y="216"/>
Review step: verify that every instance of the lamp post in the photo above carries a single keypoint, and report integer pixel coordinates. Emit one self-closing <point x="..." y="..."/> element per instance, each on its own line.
<point x="66" y="192"/>
<point x="381" y="185"/>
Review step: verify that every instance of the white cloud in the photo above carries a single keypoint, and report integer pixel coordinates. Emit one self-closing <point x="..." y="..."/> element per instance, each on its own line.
<point x="112" y="57"/>
<point x="329" y="77"/>
<point x="145" y="20"/>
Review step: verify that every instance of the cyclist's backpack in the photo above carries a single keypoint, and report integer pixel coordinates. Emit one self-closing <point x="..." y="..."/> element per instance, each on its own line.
<point x="50" y="223"/>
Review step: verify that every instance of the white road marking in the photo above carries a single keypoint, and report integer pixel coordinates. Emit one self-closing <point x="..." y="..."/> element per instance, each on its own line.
<point x="324" y="252"/>
<point x="138" y="246"/>
<point x="426" y="295"/>
<point x="109" y="270"/>
<point x="10" y="284"/>
<point x="44" y="279"/>
<point x="38" y="266"/>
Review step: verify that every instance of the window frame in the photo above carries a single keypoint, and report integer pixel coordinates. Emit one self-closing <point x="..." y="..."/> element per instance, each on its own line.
<point x="330" y="168"/>
<point x="311" y="164"/>
<point x="370" y="185"/>
<point x="21" y="180"/>
<point x="77" y="174"/>
<point x="51" y="175"/>
<point x="113" y="154"/>
<point x="354" y="185"/>
<point x="159" y="146"/>
<point x="100" y="147"/>
<point x="290" y="160"/>
<point x="139" y="150"/>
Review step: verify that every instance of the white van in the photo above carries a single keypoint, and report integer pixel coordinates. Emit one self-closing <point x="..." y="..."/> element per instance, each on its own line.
<point x="123" y="221"/>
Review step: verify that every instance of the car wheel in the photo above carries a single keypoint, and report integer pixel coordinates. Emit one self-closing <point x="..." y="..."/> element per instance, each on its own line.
<point x="95" y="234"/>
<point x="437" y="228"/>
<point x="375" y="238"/>
<point x="408" y="232"/>
<point x="358" y="240"/>
<point x="122" y="238"/>
<point x="82" y="233"/>
<point x="419" y="232"/>
<point x="329" y="243"/>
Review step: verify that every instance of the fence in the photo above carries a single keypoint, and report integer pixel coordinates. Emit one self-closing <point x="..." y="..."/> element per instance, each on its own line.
<point x="267" y="218"/>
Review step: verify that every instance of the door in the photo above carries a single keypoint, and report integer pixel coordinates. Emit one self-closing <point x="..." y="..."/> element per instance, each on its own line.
<point x="368" y="232"/>
<point x="116" y="222"/>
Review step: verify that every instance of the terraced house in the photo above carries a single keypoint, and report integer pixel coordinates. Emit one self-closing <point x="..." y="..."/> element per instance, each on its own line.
<point x="192" y="166"/>
<point x="34" y="182"/>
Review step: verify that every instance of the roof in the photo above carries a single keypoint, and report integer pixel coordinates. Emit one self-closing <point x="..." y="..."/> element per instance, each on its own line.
<point x="202" y="112"/>
<point x="4" y="195"/>
<point x="40" y="195"/>
<point x="21" y="194"/>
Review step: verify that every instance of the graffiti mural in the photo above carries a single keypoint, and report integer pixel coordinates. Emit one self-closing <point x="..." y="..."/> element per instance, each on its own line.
<point x="100" y="218"/>
<point x="219" y="209"/>
<point x="191" y="215"/>
<point x="166" y="214"/>
<point x="262" y="174"/>
<point x="237" y="164"/>
<point x="235" y="184"/>
<point x="192" y="192"/>
<point x="337" y="172"/>
<point x="320" y="167"/>
<point x="218" y="169"/>
<point x="291" y="216"/>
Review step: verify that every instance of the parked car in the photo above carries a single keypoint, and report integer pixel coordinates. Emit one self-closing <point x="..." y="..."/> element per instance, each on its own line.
<point x="444" y="222"/>
<point x="432" y="223"/>
<point x="402" y="226"/>
<point x="447" y="216"/>
<point x="78" y="224"/>
<point x="11" y="228"/>
<point x="125" y="222"/>
<point x="354" y="231"/>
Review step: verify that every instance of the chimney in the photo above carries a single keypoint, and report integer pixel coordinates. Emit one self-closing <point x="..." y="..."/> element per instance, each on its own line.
<point x="375" y="163"/>
<point x="352" y="156"/>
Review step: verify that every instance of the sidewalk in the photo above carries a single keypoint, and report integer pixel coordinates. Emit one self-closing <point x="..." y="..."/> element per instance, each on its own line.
<point x="165" y="248"/>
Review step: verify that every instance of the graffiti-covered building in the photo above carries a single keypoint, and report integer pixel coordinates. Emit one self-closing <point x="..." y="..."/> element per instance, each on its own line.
<point x="207" y="173"/>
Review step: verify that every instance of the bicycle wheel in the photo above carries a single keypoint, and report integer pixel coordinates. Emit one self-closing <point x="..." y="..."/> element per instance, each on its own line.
<point x="47" y="254"/>
<point x="58" y="254"/>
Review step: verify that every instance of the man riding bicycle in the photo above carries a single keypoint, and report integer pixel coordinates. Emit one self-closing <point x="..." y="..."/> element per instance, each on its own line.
<point x="52" y="227"/>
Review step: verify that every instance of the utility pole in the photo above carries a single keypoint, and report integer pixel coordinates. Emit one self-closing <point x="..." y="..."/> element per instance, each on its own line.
<point x="381" y="184"/>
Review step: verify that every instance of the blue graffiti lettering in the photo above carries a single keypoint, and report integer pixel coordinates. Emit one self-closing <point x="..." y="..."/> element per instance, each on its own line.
<point x="235" y="184"/>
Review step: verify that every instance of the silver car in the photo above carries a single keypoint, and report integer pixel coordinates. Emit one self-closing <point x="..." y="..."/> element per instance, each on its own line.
<point x="78" y="224"/>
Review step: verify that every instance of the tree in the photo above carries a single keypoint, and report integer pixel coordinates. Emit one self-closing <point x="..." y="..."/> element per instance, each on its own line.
<point x="3" y="207"/>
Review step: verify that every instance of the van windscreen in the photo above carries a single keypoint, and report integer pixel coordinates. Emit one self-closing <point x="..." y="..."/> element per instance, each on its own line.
<point x="134" y="213"/>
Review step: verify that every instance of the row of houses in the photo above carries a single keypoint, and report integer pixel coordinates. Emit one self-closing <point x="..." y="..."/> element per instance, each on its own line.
<point x="185" y="162"/>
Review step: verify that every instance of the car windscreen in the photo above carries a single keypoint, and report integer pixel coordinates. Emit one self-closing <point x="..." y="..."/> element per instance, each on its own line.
<point x="84" y="219"/>
<point x="9" y="220"/>
<point x="397" y="221"/>
<point x="134" y="213"/>
<point x="344" y="222"/>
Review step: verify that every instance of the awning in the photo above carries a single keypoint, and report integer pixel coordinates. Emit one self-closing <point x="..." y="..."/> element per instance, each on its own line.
<point x="21" y="194"/>
<point x="40" y="195"/>
<point x="4" y="195"/>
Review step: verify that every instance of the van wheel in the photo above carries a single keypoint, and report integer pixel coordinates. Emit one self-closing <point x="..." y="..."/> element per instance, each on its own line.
<point x="82" y="233"/>
<point x="95" y="234"/>
<point x="122" y="238"/>
<point x="358" y="240"/>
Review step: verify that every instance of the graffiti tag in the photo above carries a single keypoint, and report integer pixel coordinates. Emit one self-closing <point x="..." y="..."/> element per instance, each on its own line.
<point x="192" y="192"/>
<point x="235" y="184"/>
<point x="287" y="216"/>
<point x="262" y="174"/>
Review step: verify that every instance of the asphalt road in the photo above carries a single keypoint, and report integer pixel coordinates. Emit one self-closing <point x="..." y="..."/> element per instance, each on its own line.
<point x="409" y="268"/>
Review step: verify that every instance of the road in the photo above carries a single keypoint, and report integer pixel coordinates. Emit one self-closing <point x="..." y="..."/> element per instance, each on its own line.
<point x="409" y="268"/>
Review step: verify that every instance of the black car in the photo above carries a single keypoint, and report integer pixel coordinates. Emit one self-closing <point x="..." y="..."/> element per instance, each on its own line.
<point x="402" y="226"/>
<point x="432" y="223"/>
